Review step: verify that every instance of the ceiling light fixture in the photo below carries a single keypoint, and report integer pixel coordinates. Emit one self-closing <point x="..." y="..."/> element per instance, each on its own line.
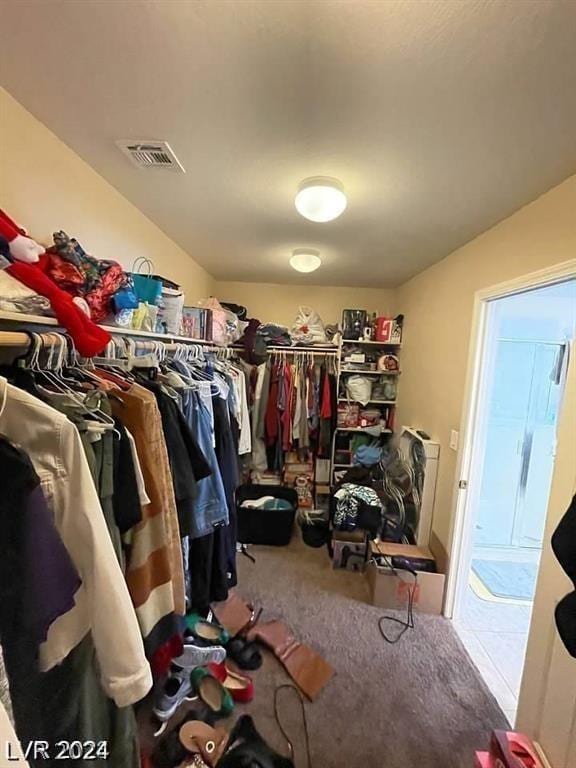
<point x="305" y="260"/>
<point x="320" y="199"/>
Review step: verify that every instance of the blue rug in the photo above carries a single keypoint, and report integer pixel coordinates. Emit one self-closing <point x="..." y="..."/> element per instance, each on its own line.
<point x="507" y="579"/>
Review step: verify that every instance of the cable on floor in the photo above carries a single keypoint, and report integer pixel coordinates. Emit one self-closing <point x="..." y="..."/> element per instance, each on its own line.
<point x="409" y="622"/>
<point x="289" y="686"/>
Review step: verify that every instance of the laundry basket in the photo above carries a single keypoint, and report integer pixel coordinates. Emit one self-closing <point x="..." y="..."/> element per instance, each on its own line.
<point x="266" y="526"/>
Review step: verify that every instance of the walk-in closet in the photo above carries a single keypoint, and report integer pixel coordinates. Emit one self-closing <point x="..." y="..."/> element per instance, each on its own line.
<point x="287" y="384"/>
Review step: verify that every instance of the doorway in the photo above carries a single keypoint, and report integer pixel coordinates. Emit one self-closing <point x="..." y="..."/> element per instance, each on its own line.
<point x="521" y="379"/>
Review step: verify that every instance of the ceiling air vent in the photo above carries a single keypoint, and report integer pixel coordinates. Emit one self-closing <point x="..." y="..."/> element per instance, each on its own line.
<point x="151" y="154"/>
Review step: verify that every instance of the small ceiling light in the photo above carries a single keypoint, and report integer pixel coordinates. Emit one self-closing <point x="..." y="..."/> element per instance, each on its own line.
<point x="305" y="260"/>
<point x="320" y="199"/>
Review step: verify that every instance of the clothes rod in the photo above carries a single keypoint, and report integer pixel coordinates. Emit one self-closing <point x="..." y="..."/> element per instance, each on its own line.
<point x="304" y="350"/>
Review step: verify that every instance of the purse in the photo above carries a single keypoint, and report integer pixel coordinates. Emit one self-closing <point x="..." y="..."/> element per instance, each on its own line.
<point x="147" y="287"/>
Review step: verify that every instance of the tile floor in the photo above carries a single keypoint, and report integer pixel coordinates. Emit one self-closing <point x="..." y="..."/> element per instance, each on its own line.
<point x="495" y="635"/>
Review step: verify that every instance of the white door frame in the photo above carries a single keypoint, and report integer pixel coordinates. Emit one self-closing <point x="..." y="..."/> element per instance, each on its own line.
<point x="461" y="518"/>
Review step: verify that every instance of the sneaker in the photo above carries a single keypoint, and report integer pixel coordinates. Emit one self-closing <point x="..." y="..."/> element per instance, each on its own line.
<point x="198" y="653"/>
<point x="176" y="688"/>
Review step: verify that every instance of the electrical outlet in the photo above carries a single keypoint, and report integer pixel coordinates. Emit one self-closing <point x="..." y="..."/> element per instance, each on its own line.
<point x="454" y="435"/>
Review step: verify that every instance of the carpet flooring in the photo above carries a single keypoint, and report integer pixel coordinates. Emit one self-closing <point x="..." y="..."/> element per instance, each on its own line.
<point x="417" y="704"/>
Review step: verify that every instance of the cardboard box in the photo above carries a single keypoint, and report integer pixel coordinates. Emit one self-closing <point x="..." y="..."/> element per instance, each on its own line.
<point x="392" y="588"/>
<point x="350" y="555"/>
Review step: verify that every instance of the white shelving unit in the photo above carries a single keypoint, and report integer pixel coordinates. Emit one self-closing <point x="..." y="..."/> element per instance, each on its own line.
<point x="342" y="372"/>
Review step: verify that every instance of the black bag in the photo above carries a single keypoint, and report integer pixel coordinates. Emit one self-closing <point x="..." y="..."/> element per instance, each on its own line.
<point x="249" y="750"/>
<point x="266" y="526"/>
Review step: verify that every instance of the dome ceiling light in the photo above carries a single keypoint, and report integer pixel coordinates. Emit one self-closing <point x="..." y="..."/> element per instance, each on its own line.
<point x="320" y="199"/>
<point x="305" y="260"/>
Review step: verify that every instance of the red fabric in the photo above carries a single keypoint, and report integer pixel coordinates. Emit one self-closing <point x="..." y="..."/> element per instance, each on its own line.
<point x="88" y="338"/>
<point x="8" y="227"/>
<point x="326" y="407"/>
<point x="288" y="414"/>
<point x="162" y="658"/>
<point x="99" y="298"/>
<point x="271" y="417"/>
<point x="65" y="274"/>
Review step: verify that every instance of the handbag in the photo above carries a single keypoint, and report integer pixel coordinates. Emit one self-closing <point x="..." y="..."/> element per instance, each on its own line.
<point x="359" y="388"/>
<point x="147" y="287"/>
<point x="249" y="750"/>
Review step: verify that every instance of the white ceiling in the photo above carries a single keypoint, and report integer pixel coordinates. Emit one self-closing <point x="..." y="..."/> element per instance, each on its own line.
<point x="440" y="118"/>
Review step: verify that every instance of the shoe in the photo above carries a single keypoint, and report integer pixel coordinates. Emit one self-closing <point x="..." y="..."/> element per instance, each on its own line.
<point x="212" y="692"/>
<point x="245" y="654"/>
<point x="240" y="687"/>
<point x="207" y="630"/>
<point x="177" y="688"/>
<point x="199" y="653"/>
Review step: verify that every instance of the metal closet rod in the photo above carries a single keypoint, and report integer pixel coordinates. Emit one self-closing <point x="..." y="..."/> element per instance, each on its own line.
<point x="19" y="339"/>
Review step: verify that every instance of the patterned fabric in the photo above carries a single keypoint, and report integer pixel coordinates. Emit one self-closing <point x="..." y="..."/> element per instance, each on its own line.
<point x="348" y="500"/>
<point x="73" y="270"/>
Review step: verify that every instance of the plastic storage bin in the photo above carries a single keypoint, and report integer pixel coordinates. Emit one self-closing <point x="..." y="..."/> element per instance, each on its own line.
<point x="266" y="526"/>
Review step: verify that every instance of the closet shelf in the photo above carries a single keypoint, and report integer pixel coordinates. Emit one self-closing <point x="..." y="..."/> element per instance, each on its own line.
<point x="321" y="348"/>
<point x="370" y="402"/>
<point x="396" y="344"/>
<point x="370" y="373"/>
<point x="35" y="320"/>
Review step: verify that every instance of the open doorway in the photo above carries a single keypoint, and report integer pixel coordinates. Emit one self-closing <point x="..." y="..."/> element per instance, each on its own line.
<point x="521" y="374"/>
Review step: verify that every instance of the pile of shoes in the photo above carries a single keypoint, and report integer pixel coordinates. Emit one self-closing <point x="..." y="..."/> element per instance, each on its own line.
<point x="178" y="727"/>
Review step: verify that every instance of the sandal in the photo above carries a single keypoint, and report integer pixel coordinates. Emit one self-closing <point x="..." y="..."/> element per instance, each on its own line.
<point x="207" y="744"/>
<point x="240" y="687"/>
<point x="246" y="654"/>
<point x="212" y="692"/>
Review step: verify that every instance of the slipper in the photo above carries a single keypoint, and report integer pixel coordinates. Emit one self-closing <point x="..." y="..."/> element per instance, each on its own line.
<point x="207" y="630"/>
<point x="240" y="687"/>
<point x="245" y="654"/>
<point x="212" y="692"/>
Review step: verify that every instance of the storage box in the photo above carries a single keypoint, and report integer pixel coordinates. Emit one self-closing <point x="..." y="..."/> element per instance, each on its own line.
<point x="391" y="588"/>
<point x="349" y="553"/>
<point x="510" y="749"/>
<point x="348" y="414"/>
<point x="483" y="760"/>
<point x="265" y="526"/>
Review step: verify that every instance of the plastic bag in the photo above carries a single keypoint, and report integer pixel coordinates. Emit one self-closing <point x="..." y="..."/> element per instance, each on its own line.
<point x="308" y="327"/>
<point x="219" y="319"/>
<point x="359" y="389"/>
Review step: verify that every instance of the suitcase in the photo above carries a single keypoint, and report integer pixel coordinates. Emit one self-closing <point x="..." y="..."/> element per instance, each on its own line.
<point x="266" y="526"/>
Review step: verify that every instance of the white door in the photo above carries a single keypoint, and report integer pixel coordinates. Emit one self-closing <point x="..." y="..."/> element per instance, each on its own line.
<point x="547" y="704"/>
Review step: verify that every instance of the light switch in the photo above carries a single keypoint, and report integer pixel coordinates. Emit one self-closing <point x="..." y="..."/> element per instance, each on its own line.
<point x="454" y="439"/>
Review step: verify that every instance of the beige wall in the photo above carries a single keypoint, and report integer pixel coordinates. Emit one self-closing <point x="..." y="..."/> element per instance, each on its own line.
<point x="438" y="306"/>
<point x="279" y="303"/>
<point x="45" y="186"/>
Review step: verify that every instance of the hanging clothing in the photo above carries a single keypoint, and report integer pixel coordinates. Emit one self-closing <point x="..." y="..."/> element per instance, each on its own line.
<point x="154" y="573"/>
<point x="39" y="584"/>
<point x="53" y="444"/>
